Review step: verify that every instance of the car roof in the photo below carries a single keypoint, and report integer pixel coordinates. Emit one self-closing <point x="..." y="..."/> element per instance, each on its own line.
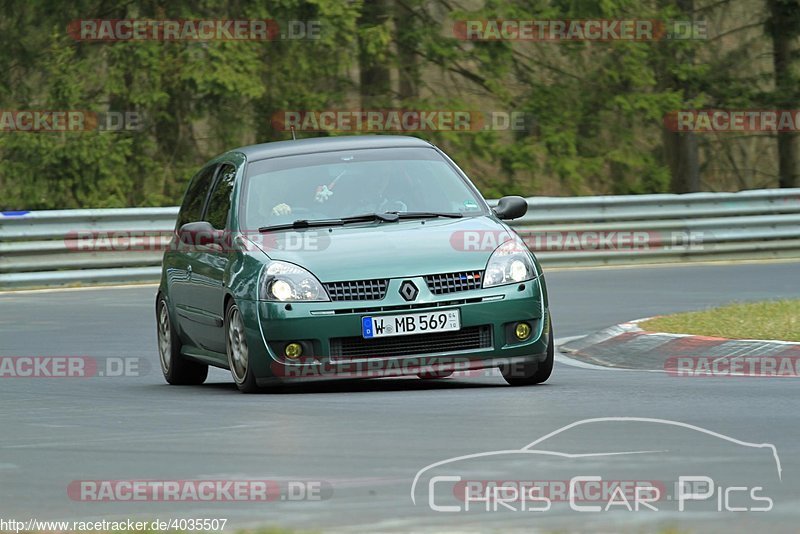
<point x="328" y="144"/>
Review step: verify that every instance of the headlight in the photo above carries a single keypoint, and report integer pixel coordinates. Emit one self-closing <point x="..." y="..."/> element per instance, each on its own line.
<point x="287" y="282"/>
<point x="510" y="263"/>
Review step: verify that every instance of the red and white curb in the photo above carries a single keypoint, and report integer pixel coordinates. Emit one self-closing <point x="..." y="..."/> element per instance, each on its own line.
<point x="627" y="346"/>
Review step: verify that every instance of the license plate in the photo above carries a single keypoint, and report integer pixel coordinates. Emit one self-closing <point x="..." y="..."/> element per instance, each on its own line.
<point x="410" y="323"/>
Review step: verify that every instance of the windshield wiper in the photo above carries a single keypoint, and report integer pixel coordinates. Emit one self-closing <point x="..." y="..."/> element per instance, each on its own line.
<point x="308" y="223"/>
<point x="367" y="217"/>
<point x="426" y="214"/>
<point x="302" y="223"/>
<point x="394" y="216"/>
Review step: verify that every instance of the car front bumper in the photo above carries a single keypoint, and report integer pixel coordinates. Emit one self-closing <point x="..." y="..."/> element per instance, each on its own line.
<point x="320" y="328"/>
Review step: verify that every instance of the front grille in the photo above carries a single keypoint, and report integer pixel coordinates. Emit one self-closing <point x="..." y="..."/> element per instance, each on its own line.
<point x="441" y="284"/>
<point x="357" y="290"/>
<point x="470" y="338"/>
<point x="403" y="307"/>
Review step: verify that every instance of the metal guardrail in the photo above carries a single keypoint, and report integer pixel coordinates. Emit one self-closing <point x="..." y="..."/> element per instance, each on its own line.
<point x="42" y="248"/>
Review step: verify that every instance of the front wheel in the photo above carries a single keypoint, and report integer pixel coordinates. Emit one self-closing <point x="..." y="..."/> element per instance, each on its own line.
<point x="177" y="369"/>
<point x="238" y="350"/>
<point x="534" y="372"/>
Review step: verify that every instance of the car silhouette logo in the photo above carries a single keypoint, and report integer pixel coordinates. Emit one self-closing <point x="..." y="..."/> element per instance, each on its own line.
<point x="408" y="290"/>
<point x="629" y="449"/>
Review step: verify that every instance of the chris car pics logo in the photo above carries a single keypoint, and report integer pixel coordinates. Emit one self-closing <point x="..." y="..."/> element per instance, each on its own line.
<point x="637" y="465"/>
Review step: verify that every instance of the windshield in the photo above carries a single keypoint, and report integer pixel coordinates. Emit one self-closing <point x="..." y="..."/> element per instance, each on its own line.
<point x="334" y="185"/>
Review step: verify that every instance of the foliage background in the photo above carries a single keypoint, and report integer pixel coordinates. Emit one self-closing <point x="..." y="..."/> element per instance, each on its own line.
<point x="594" y="110"/>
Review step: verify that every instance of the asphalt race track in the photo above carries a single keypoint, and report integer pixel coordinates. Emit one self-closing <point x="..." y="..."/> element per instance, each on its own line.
<point x="367" y="440"/>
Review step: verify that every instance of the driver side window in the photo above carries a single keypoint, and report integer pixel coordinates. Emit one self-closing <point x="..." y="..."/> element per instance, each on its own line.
<point x="219" y="203"/>
<point x="192" y="207"/>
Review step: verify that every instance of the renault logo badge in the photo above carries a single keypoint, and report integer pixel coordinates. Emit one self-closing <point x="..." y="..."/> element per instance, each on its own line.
<point x="408" y="290"/>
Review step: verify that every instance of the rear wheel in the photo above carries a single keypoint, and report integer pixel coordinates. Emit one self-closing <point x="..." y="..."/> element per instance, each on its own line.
<point x="238" y="350"/>
<point x="177" y="369"/>
<point x="532" y="373"/>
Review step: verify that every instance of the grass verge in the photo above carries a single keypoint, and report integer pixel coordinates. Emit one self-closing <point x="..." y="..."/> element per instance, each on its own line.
<point x="774" y="319"/>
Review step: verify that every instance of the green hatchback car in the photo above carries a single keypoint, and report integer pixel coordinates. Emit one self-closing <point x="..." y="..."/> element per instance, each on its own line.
<point x="347" y="257"/>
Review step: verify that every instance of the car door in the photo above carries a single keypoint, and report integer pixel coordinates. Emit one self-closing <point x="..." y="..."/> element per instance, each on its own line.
<point x="211" y="261"/>
<point x="180" y="263"/>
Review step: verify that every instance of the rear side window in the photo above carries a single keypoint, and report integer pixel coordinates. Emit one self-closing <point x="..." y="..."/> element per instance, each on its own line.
<point x="192" y="207"/>
<point x="219" y="203"/>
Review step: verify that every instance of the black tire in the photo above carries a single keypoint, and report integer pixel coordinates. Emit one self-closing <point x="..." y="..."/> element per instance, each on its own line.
<point x="238" y="351"/>
<point x="178" y="370"/>
<point x="535" y="372"/>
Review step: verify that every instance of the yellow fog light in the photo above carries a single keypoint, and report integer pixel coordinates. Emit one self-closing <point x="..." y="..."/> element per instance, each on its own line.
<point x="523" y="330"/>
<point x="293" y="350"/>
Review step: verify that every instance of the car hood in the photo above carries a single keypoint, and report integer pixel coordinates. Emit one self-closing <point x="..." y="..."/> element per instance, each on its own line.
<point x="388" y="249"/>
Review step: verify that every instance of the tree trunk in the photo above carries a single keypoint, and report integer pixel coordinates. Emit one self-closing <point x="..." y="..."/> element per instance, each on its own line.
<point x="683" y="161"/>
<point x="375" y="82"/>
<point x="782" y="28"/>
<point x="407" y="59"/>
<point x="681" y="147"/>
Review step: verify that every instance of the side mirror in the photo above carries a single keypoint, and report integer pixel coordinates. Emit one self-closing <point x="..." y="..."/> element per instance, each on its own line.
<point x="199" y="234"/>
<point x="512" y="207"/>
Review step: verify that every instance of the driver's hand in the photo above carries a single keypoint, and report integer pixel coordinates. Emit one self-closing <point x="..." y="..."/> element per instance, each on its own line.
<point x="282" y="209"/>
